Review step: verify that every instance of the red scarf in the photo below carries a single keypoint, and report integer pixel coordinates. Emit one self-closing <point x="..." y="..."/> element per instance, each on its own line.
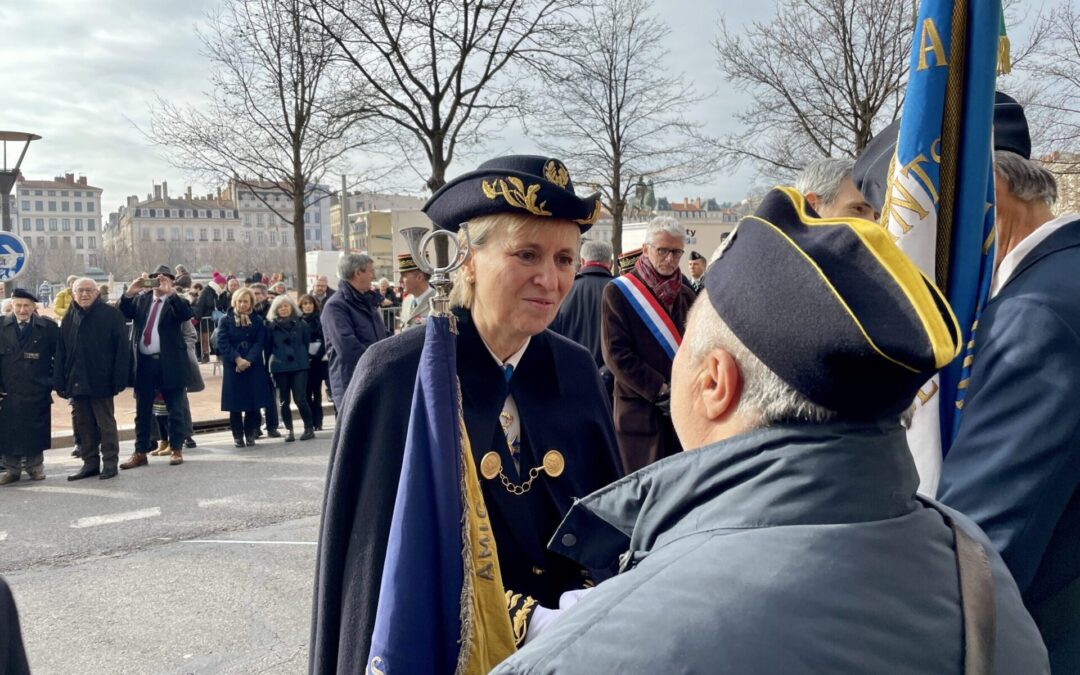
<point x="666" y="289"/>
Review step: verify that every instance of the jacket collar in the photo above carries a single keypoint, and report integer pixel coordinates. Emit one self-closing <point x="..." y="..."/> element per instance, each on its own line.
<point x="784" y="475"/>
<point x="593" y="271"/>
<point x="537" y="366"/>
<point x="1066" y="237"/>
<point x="355" y="297"/>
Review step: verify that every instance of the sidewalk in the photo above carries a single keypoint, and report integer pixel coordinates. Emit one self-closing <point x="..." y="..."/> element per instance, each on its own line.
<point x="205" y="410"/>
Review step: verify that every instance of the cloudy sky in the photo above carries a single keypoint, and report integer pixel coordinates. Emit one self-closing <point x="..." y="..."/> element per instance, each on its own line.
<point x="82" y="73"/>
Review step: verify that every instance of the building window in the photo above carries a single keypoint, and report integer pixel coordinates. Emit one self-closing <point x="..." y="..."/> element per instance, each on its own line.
<point x="189" y="234"/>
<point x="202" y="213"/>
<point x="78" y="224"/>
<point x="52" y="206"/>
<point x="273" y="238"/>
<point x="144" y="234"/>
<point x="78" y="242"/>
<point x="39" y="224"/>
<point x="318" y="218"/>
<point x="65" y="224"/>
<point x="262" y="239"/>
<point x="65" y="206"/>
<point x="89" y="207"/>
<point x="202" y="234"/>
<point x="63" y="193"/>
<point x="26" y="223"/>
<point x="41" y="242"/>
<point x="91" y="224"/>
<point x="91" y="243"/>
<point x="229" y="235"/>
<point x="39" y="205"/>
<point x="174" y="213"/>
<point x="176" y="234"/>
<point x="77" y="193"/>
<point x="247" y="237"/>
<point x="284" y="238"/>
<point x="78" y="207"/>
<point x="217" y="234"/>
<point x="161" y="234"/>
<point x="259" y="220"/>
<point x="53" y="225"/>
<point x="53" y="242"/>
<point x="138" y="213"/>
<point x="26" y="205"/>
<point x="67" y="242"/>
<point x="37" y="193"/>
<point x="247" y="220"/>
<point x="187" y="213"/>
<point x="52" y="193"/>
<point x="221" y="214"/>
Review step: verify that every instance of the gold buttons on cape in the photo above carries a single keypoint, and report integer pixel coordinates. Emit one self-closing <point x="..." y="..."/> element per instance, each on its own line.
<point x="490" y="465"/>
<point x="554" y="464"/>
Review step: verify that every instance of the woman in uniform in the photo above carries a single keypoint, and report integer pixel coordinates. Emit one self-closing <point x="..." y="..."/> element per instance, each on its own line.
<point x="537" y="417"/>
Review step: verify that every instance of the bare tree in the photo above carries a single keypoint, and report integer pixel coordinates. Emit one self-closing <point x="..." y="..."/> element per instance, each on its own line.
<point x="824" y="75"/>
<point x="63" y="261"/>
<point x="431" y="76"/>
<point x="612" y="110"/>
<point x="270" y="121"/>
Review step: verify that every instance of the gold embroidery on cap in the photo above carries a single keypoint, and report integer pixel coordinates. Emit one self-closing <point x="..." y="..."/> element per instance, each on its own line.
<point x="591" y="220"/>
<point x="555" y="172"/>
<point x="515" y="193"/>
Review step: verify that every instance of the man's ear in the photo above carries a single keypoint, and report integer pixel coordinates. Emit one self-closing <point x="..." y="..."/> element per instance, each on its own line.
<point x="813" y="199"/>
<point x="721" y="384"/>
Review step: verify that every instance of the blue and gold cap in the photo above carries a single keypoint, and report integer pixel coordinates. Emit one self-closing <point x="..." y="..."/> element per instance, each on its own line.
<point x="528" y="185"/>
<point x="832" y="306"/>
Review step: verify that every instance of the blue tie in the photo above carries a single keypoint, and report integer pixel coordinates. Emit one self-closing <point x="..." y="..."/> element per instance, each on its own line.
<point x="508" y="371"/>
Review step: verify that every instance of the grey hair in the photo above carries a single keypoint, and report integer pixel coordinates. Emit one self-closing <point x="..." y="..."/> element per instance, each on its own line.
<point x="824" y="177"/>
<point x="666" y="225"/>
<point x="79" y="280"/>
<point x="765" y="398"/>
<point x="280" y="300"/>
<point x="1029" y="181"/>
<point x="596" y="250"/>
<point x="350" y="264"/>
<point x="258" y="287"/>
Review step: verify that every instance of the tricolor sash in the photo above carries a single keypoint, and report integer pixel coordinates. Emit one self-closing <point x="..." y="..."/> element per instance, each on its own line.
<point x="652" y="314"/>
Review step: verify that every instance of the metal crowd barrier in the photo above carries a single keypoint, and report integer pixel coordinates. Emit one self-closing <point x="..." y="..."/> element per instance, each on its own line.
<point x="390" y="318"/>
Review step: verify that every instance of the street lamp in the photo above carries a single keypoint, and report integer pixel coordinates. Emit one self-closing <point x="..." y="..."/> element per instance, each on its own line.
<point x="8" y="176"/>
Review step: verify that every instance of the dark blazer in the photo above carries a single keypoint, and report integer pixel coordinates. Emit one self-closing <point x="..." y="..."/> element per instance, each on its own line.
<point x="287" y="345"/>
<point x="1014" y="467"/>
<point x="249" y="390"/>
<point x="350" y="325"/>
<point x="94" y="352"/>
<point x="641" y="368"/>
<point x="175" y="373"/>
<point x="26" y="380"/>
<point x="580" y="314"/>
<point x="209" y="300"/>
<point x="555" y="380"/>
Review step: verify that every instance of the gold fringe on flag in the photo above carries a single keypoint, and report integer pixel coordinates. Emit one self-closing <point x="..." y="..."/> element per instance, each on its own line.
<point x="1004" y="66"/>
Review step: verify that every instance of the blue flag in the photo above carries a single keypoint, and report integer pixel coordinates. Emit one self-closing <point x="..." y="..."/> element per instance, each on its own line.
<point x="939" y="205"/>
<point x="441" y="609"/>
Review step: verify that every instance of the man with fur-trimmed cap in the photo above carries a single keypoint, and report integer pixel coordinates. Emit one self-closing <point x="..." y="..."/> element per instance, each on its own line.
<point x="790" y="538"/>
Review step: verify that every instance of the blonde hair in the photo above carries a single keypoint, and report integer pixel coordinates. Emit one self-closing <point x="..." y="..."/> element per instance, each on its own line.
<point x="240" y="292"/>
<point x="482" y="232"/>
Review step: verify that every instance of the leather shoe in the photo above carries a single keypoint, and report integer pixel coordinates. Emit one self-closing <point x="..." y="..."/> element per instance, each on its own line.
<point x="136" y="460"/>
<point x="307" y="435"/>
<point x="9" y="477"/>
<point x="108" y="472"/>
<point x="251" y="441"/>
<point x="238" y="442"/>
<point x="289" y="438"/>
<point x="85" y="472"/>
<point x="36" y="473"/>
<point x="274" y="434"/>
<point x="189" y="442"/>
<point x="177" y="458"/>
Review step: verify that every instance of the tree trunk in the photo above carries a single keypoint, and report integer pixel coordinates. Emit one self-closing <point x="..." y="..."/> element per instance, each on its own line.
<point x="299" y="193"/>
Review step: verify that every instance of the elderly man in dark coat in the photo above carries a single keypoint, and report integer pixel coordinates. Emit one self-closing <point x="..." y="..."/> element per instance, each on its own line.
<point x="643" y="318"/>
<point x="91" y="369"/>
<point x="160" y="359"/>
<point x="791" y="539"/>
<point x="350" y="321"/>
<point x="28" y="343"/>
<point x="579" y="316"/>
<point x="1014" y="466"/>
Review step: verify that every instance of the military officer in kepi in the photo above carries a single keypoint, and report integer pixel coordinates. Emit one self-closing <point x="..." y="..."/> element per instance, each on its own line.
<point x="27" y="346"/>
<point x="536" y="413"/>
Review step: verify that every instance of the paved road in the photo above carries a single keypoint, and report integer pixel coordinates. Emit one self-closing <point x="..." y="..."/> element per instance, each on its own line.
<point x="200" y="568"/>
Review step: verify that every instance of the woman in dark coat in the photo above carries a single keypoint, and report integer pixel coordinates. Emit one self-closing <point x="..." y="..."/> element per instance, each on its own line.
<point x="318" y="373"/>
<point x="538" y="420"/>
<point x="246" y="386"/>
<point x="287" y="343"/>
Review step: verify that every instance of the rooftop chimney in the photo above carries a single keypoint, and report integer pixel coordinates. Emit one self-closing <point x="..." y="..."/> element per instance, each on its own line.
<point x="69" y="178"/>
<point x="188" y="193"/>
<point x="157" y="192"/>
<point x="82" y="180"/>
<point x="164" y="189"/>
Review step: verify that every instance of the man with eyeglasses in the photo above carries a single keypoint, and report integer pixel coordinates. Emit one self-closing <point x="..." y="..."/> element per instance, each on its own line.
<point x="644" y="314"/>
<point x="91" y="369"/>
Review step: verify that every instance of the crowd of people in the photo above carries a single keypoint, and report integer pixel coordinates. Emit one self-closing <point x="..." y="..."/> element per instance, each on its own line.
<point x="788" y="538"/>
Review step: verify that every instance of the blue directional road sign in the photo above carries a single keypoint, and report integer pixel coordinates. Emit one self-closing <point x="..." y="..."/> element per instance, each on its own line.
<point x="13" y="256"/>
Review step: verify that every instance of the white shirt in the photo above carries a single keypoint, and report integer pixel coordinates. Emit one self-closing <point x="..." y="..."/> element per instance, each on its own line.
<point x="510" y="411"/>
<point x="155" y="338"/>
<point x="1013" y="258"/>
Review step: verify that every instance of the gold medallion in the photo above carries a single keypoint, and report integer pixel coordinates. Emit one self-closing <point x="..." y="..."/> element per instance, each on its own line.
<point x="554" y="463"/>
<point x="490" y="465"/>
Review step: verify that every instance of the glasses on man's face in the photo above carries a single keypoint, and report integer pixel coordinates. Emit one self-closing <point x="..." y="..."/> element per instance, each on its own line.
<point x="674" y="252"/>
<point x="85" y="291"/>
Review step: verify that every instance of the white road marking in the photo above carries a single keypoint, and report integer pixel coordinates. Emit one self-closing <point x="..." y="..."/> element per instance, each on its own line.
<point x="219" y="501"/>
<point x="94" y="521"/>
<point x="243" y="541"/>
<point x="80" y="492"/>
<point x="3" y="536"/>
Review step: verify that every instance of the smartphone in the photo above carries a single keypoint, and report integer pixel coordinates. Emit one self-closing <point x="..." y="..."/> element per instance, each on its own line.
<point x="151" y="283"/>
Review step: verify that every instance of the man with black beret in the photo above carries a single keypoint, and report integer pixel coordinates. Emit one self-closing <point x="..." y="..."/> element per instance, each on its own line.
<point x="790" y="538"/>
<point x="1014" y="466"/>
<point x="27" y="347"/>
<point x="697" y="267"/>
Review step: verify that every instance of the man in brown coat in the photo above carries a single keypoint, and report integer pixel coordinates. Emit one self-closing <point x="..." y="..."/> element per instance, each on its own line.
<point x="644" y="314"/>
